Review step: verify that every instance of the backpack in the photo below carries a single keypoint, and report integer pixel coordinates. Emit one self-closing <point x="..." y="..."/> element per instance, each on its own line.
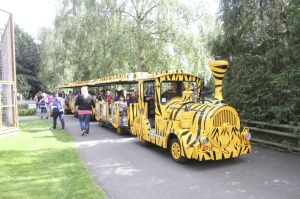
<point x="42" y="103"/>
<point x="57" y="105"/>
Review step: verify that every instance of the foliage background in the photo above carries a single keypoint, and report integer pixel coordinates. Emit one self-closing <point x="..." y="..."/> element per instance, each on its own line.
<point x="261" y="40"/>
<point x="92" y="39"/>
<point x="27" y="63"/>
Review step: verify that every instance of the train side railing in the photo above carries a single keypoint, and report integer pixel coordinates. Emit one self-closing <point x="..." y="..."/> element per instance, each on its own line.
<point x="277" y="135"/>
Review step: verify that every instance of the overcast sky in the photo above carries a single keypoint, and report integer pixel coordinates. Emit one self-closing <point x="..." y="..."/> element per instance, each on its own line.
<point x="31" y="15"/>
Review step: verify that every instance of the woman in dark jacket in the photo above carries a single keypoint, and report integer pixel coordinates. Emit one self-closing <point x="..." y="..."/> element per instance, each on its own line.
<point x="85" y="103"/>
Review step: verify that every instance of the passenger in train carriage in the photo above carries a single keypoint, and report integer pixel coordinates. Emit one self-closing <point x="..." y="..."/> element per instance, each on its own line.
<point x="122" y="93"/>
<point x="173" y="92"/>
<point x="100" y="95"/>
<point x="108" y="97"/>
<point x="133" y="98"/>
<point x="127" y="98"/>
<point x="102" y="100"/>
<point x="117" y="96"/>
<point x="122" y="107"/>
<point x="70" y="94"/>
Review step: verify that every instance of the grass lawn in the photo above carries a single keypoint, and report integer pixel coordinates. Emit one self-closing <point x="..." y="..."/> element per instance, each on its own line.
<point x="43" y="163"/>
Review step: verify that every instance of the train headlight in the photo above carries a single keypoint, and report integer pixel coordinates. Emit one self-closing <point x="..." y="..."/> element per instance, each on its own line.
<point x="248" y="136"/>
<point x="205" y="140"/>
<point x="246" y="133"/>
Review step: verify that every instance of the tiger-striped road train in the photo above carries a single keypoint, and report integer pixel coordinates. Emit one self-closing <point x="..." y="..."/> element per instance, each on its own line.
<point x="170" y="111"/>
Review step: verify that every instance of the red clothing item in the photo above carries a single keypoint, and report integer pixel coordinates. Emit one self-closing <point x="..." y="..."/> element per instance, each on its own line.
<point x="108" y="99"/>
<point x="84" y="112"/>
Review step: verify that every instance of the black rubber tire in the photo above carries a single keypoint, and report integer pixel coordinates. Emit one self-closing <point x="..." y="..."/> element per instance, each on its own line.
<point x="145" y="143"/>
<point x="101" y="124"/>
<point x="120" y="131"/>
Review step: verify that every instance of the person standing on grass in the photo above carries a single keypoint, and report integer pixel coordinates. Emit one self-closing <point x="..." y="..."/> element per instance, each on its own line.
<point x="37" y="99"/>
<point x="50" y="103"/>
<point x="43" y="105"/>
<point x="85" y="104"/>
<point x="58" y="111"/>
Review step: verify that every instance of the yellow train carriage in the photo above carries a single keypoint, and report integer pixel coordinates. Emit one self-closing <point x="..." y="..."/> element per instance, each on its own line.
<point x="190" y="129"/>
<point x="108" y="114"/>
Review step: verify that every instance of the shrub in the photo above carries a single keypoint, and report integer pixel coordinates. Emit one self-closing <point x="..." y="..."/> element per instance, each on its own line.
<point x="26" y="111"/>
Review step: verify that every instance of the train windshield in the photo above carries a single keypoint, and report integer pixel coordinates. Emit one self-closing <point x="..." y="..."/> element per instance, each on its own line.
<point x="173" y="89"/>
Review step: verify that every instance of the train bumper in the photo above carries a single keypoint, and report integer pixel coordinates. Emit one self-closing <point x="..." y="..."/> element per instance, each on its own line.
<point x="212" y="154"/>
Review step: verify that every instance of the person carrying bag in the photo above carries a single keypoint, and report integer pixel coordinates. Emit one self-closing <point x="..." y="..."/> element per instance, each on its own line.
<point x="58" y="111"/>
<point x="85" y="103"/>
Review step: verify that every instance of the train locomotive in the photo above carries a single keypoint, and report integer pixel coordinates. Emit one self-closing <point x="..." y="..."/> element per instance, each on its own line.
<point x="189" y="128"/>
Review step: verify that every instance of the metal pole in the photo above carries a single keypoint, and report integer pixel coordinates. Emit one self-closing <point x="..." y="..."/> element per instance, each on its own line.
<point x="14" y="76"/>
<point x="202" y="90"/>
<point x="0" y="109"/>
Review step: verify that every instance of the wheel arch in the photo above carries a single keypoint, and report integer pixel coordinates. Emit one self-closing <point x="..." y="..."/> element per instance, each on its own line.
<point x="170" y="138"/>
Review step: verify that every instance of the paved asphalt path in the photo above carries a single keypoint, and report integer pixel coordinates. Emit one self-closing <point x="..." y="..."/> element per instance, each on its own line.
<point x="126" y="170"/>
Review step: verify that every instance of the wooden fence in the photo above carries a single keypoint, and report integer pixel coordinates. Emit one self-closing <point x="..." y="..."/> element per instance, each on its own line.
<point x="279" y="135"/>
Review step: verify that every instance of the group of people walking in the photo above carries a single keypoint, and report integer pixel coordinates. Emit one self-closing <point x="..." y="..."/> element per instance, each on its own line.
<point x="47" y="105"/>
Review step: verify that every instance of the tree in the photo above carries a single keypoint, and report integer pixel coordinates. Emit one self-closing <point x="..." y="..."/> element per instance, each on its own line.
<point x="258" y="39"/>
<point x="27" y="62"/>
<point x="92" y="39"/>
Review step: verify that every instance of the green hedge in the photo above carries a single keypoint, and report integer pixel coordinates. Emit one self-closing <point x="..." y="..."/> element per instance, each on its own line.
<point x="23" y="110"/>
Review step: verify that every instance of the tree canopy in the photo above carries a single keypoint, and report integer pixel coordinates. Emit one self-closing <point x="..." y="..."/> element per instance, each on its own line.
<point x="96" y="38"/>
<point x="261" y="40"/>
<point x="27" y="62"/>
<point x="92" y="39"/>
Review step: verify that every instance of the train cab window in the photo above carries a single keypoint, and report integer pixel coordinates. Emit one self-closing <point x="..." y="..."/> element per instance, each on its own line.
<point x="149" y="88"/>
<point x="174" y="89"/>
<point x="170" y="90"/>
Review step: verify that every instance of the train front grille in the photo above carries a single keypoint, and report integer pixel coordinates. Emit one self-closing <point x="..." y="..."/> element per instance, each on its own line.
<point x="225" y="116"/>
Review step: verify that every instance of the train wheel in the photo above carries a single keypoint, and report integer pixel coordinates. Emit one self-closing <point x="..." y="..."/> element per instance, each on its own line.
<point x="120" y="131"/>
<point x="101" y="123"/>
<point x="144" y="142"/>
<point x="176" y="150"/>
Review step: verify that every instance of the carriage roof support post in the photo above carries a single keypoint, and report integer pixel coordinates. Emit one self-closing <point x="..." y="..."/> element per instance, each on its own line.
<point x="0" y="107"/>
<point x="202" y="90"/>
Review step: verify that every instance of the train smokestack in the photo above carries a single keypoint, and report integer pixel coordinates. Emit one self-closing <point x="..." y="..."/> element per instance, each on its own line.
<point x="218" y="68"/>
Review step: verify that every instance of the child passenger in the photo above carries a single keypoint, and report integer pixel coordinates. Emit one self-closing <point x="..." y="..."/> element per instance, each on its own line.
<point x="122" y="107"/>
